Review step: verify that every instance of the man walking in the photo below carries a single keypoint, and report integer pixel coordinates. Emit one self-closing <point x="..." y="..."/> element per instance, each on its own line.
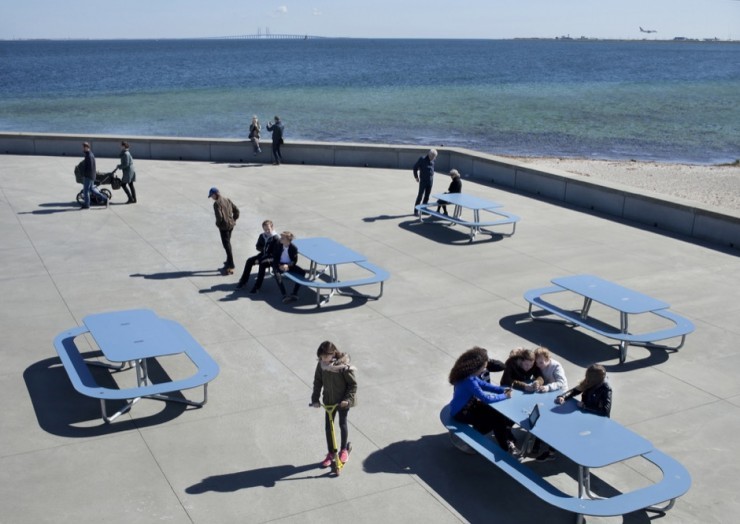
<point x="424" y="175"/>
<point x="226" y="216"/>
<point x="88" y="178"/>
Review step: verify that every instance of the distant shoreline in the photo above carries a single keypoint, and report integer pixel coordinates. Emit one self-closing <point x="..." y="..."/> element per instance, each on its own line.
<point x="298" y="37"/>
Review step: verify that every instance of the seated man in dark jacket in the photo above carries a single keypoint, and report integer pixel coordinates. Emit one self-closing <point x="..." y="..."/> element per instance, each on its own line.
<point x="265" y="246"/>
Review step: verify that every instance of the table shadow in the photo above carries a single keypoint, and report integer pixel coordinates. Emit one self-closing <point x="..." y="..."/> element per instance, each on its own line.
<point x="440" y="231"/>
<point x="577" y="345"/>
<point x="475" y="488"/>
<point x="61" y="410"/>
<point x="260" y="477"/>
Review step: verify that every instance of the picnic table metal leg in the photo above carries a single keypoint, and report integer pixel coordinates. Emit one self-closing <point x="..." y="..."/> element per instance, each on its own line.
<point x="623" y="344"/>
<point x="586" y="306"/>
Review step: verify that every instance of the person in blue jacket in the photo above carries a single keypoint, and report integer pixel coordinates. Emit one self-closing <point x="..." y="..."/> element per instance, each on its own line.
<point x="472" y="396"/>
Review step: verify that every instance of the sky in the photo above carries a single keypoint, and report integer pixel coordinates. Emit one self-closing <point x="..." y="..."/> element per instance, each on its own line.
<point x="489" y="19"/>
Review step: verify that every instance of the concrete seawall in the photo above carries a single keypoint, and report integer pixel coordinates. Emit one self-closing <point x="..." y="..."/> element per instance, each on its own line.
<point x="660" y="212"/>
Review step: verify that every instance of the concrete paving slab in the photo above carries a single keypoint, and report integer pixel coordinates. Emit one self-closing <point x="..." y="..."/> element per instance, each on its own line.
<point x="250" y="454"/>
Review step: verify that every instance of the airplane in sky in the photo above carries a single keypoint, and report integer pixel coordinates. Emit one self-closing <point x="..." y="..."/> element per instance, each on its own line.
<point x="647" y="30"/>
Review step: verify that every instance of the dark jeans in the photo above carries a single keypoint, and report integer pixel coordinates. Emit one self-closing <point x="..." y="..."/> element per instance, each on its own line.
<point x="343" y="430"/>
<point x="130" y="191"/>
<point x="485" y="419"/>
<point x="277" y="156"/>
<point x="425" y="189"/>
<point x="296" y="270"/>
<point x="263" y="266"/>
<point x="226" y="242"/>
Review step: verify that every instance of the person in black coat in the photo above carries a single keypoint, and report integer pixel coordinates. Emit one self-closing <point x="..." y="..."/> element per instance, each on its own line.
<point x="455" y="187"/>
<point x="265" y="245"/>
<point x="424" y="175"/>
<point x="277" y="129"/>
<point x="595" y="391"/>
<point x="285" y="259"/>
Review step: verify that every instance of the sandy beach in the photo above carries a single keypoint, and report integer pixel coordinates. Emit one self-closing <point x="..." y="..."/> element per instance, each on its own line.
<point x="712" y="185"/>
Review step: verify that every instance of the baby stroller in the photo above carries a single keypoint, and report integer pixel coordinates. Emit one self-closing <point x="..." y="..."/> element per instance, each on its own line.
<point x="100" y="179"/>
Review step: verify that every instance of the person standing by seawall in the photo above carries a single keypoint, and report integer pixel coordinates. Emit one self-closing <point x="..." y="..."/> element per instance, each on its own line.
<point x="424" y="175"/>
<point x="277" y="128"/>
<point x="88" y="181"/>
<point x="128" y="174"/>
<point x="254" y="134"/>
<point x="226" y="216"/>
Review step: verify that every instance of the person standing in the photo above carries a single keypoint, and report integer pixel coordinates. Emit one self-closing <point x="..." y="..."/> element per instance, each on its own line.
<point x="277" y="128"/>
<point x="336" y="377"/>
<point x="265" y="247"/>
<point x="424" y="175"/>
<point x="89" y="172"/>
<point x="254" y="134"/>
<point x="226" y="216"/>
<point x="128" y="174"/>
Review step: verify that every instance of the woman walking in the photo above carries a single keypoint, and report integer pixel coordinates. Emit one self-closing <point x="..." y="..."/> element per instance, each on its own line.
<point x="128" y="173"/>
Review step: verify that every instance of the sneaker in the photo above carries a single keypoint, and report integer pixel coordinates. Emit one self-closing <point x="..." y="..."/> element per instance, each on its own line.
<point x="328" y="460"/>
<point x="286" y="299"/>
<point x="240" y="285"/>
<point x="511" y="447"/>
<point x="545" y="456"/>
<point x="254" y="291"/>
<point x="344" y="456"/>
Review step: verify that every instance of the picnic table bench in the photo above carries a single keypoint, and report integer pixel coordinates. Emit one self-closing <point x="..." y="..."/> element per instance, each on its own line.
<point x="675" y="482"/>
<point x="77" y="368"/>
<point x="476" y="225"/>
<point x="377" y="275"/>
<point x="679" y="326"/>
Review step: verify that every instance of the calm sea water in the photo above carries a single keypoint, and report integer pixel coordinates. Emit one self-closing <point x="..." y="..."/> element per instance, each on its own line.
<point x="666" y="101"/>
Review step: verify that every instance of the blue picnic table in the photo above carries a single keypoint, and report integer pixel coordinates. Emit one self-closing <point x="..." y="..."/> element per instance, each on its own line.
<point x="134" y="336"/>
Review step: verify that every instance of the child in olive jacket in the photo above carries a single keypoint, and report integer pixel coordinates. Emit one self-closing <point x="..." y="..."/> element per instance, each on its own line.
<point x="337" y="379"/>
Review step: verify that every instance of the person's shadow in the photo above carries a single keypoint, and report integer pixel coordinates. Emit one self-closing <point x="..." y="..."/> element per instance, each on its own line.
<point x="384" y="217"/>
<point x="53" y="207"/>
<point x="166" y="275"/>
<point x="264" y="477"/>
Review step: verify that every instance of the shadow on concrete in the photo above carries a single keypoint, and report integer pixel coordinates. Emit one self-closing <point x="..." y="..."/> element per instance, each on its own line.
<point x="239" y="166"/>
<point x="60" y="410"/>
<point x="576" y="345"/>
<point x="475" y="488"/>
<point x="53" y="207"/>
<point x="178" y="274"/>
<point x="305" y="305"/>
<point x="385" y="217"/>
<point x="444" y="233"/>
<point x="261" y="477"/>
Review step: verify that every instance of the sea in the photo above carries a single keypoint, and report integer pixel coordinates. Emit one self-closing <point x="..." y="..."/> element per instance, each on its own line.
<point x="642" y="100"/>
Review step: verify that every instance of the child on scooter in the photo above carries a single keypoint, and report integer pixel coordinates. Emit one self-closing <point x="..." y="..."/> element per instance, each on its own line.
<point x="337" y="378"/>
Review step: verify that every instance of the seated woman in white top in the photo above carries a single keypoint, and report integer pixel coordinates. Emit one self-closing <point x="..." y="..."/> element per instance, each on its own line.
<point x="552" y="371"/>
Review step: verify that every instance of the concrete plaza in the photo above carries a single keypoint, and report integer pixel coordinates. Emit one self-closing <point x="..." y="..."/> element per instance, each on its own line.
<point x="251" y="454"/>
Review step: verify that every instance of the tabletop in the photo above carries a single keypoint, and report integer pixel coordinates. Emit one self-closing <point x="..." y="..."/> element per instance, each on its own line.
<point x="587" y="439"/>
<point x="467" y="201"/>
<point x="610" y="294"/>
<point x="326" y="251"/>
<point x="134" y="334"/>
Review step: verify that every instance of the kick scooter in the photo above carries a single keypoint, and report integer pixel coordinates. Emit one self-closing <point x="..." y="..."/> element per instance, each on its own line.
<point x="336" y="465"/>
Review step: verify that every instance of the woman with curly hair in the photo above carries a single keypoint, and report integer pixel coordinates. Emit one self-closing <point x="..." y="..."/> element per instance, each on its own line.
<point x="472" y="396"/>
<point x="595" y="391"/>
